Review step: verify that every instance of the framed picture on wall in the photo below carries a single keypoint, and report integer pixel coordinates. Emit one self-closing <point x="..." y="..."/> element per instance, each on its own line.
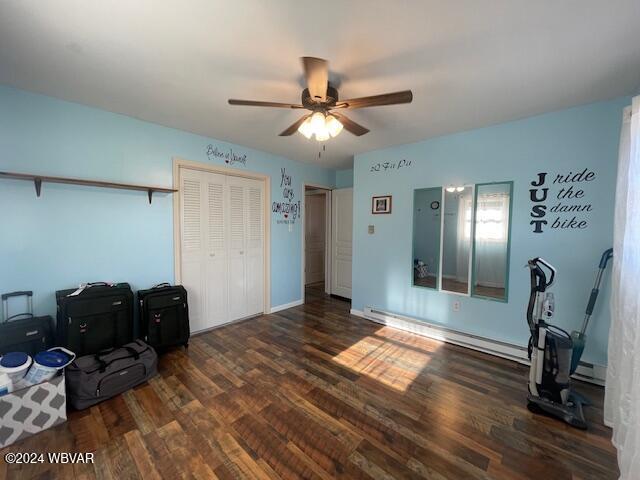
<point x="381" y="204"/>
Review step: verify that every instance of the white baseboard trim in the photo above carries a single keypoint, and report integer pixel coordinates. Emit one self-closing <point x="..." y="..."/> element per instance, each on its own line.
<point x="284" y="306"/>
<point x="586" y="371"/>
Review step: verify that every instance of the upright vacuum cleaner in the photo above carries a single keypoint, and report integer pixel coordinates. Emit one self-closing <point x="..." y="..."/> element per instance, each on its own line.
<point x="554" y="353"/>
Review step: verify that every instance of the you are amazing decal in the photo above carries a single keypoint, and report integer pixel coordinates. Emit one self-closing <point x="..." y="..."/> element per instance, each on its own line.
<point x="229" y="156"/>
<point x="288" y="209"/>
<point x="561" y="203"/>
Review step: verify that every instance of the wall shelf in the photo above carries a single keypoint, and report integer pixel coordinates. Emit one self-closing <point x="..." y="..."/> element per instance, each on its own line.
<point x="39" y="179"/>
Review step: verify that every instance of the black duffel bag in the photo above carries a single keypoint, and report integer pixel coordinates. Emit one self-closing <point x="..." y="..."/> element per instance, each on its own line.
<point x="94" y="378"/>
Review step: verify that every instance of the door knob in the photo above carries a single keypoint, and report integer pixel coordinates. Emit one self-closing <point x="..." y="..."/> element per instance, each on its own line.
<point x="212" y="254"/>
<point x="241" y="252"/>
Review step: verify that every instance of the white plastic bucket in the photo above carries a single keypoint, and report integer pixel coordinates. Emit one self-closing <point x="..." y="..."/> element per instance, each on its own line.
<point x="15" y="365"/>
<point x="46" y="364"/>
<point x="6" y="385"/>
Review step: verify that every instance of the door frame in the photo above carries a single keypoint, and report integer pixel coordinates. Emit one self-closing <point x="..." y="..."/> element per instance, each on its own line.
<point x="327" y="236"/>
<point x="180" y="163"/>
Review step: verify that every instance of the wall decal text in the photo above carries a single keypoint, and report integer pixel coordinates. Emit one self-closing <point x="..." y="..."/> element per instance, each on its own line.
<point x="389" y="166"/>
<point x="563" y="197"/>
<point x="229" y="156"/>
<point x="288" y="209"/>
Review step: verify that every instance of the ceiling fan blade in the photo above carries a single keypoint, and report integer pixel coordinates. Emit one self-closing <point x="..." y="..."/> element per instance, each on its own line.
<point x="350" y="125"/>
<point x="316" y="71"/>
<point x="377" y="100"/>
<point x="294" y="127"/>
<point x="253" y="103"/>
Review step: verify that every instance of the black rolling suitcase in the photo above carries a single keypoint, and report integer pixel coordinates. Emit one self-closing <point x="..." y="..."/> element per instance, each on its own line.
<point x="164" y="315"/>
<point x="95" y="317"/>
<point x="29" y="334"/>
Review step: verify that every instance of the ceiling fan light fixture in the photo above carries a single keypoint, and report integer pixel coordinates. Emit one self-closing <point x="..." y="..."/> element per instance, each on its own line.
<point x="317" y="122"/>
<point x="306" y="128"/>
<point x="322" y="135"/>
<point x="320" y="97"/>
<point x="333" y="125"/>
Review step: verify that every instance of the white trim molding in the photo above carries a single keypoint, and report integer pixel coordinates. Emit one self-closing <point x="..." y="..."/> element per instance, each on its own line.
<point x="587" y="372"/>
<point x="286" y="306"/>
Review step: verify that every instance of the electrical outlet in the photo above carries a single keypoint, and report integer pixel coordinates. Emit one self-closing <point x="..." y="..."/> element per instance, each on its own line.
<point x="456" y="305"/>
<point x="371" y="229"/>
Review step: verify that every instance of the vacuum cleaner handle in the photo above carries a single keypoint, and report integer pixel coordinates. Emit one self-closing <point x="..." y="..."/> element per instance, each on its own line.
<point x="540" y="272"/>
<point x="606" y="256"/>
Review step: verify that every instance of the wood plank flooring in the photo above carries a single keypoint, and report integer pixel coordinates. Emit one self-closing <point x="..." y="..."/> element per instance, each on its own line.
<point x="315" y="393"/>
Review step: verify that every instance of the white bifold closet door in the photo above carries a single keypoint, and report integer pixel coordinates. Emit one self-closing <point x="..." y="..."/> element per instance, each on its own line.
<point x="222" y="247"/>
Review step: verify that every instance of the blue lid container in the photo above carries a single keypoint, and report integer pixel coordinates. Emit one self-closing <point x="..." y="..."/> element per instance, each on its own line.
<point x="51" y="359"/>
<point x="14" y="359"/>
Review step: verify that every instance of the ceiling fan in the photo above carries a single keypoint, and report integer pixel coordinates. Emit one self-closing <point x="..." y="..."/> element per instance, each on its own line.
<point x="326" y="120"/>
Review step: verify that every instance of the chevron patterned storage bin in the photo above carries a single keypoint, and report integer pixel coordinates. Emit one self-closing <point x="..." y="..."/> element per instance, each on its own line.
<point x="31" y="410"/>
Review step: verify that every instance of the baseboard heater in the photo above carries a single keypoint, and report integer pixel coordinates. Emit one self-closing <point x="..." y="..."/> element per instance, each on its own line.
<point x="587" y="372"/>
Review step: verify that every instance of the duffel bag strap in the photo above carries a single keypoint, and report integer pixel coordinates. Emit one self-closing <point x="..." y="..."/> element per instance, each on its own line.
<point x="133" y="352"/>
<point x="102" y="363"/>
<point x="98" y="356"/>
<point x="104" y="352"/>
<point x="161" y="285"/>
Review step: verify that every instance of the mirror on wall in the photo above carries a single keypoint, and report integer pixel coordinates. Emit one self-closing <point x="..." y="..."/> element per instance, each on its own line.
<point x="426" y="236"/>
<point x="456" y="238"/>
<point x="491" y="240"/>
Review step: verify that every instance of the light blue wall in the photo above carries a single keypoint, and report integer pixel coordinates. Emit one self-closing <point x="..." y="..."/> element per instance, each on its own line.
<point x="344" y="178"/>
<point x="568" y="140"/>
<point x="76" y="234"/>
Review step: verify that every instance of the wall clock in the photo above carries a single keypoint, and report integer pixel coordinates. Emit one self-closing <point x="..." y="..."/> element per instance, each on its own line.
<point x="435" y="205"/>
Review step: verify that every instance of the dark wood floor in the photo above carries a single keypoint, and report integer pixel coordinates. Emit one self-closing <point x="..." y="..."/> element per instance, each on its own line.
<point x="312" y="392"/>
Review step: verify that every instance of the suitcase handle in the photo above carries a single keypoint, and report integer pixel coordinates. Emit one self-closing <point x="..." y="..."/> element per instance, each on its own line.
<point x="30" y="315"/>
<point x="22" y="293"/>
<point x="163" y="284"/>
<point x="5" y="304"/>
<point x="83" y="286"/>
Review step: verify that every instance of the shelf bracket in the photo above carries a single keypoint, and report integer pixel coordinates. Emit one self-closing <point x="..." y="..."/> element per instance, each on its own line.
<point x="150" y="193"/>
<point x="38" y="184"/>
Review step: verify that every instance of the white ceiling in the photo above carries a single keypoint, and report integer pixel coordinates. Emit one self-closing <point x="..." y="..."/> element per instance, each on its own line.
<point x="469" y="63"/>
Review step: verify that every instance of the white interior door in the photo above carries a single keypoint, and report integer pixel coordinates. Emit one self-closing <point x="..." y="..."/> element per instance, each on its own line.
<point x="255" y="246"/>
<point x="216" y="258"/>
<point x="222" y="247"/>
<point x="237" y="249"/>
<point x="192" y="245"/>
<point x="342" y="233"/>
<point x="314" y="222"/>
